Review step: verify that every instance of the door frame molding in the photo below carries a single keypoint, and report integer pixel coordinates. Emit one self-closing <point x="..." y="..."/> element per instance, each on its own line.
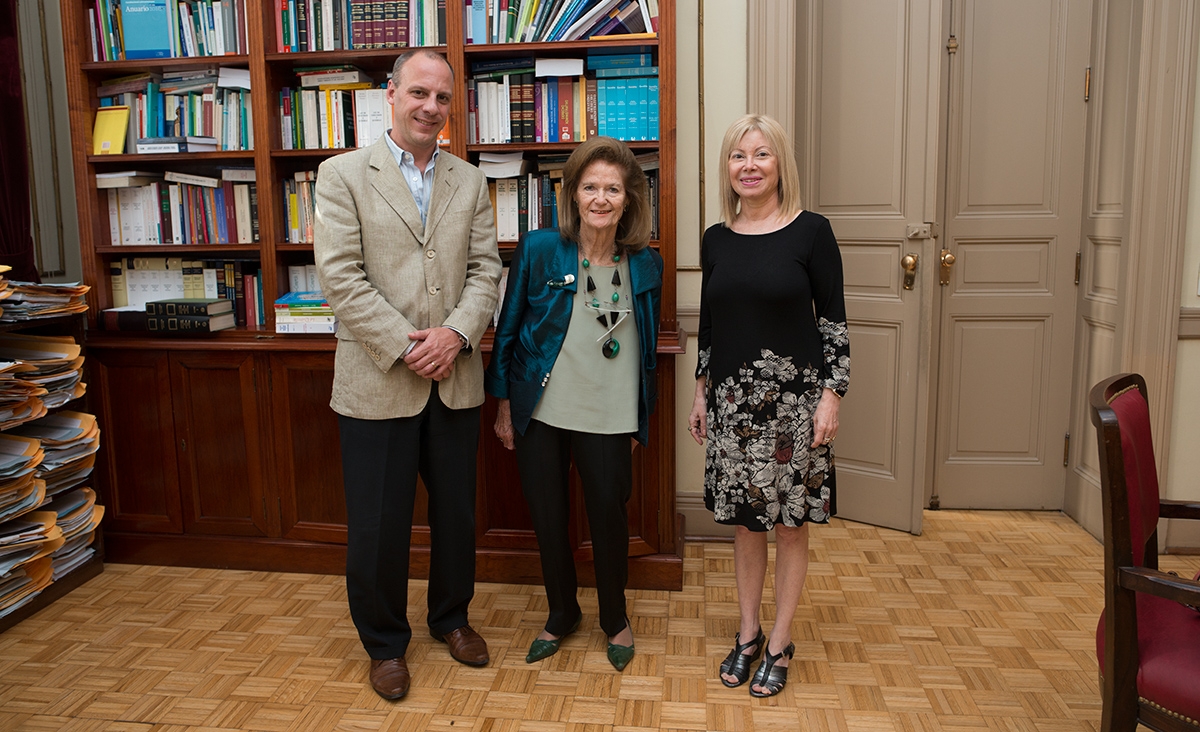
<point x="1152" y="260"/>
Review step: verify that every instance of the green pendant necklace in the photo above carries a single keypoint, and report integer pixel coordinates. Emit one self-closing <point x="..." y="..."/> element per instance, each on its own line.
<point x="608" y="320"/>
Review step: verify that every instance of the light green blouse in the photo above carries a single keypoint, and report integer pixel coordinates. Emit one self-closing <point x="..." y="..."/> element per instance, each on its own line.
<point x="587" y="392"/>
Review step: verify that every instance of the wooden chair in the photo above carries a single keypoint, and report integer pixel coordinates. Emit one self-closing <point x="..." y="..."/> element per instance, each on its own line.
<point x="1151" y="670"/>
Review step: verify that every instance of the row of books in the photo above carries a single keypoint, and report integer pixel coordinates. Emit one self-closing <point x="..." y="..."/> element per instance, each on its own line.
<point x="136" y="281"/>
<point x="529" y="100"/>
<point x="193" y="111"/>
<point x="331" y="25"/>
<point x="528" y="21"/>
<point x="147" y="29"/>
<point x="299" y="206"/>
<point x="332" y="118"/>
<point x="530" y="201"/>
<point x="561" y="109"/>
<point x="302" y="311"/>
<point x="147" y="208"/>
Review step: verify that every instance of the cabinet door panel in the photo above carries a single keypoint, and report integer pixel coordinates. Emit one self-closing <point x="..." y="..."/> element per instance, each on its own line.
<point x="220" y="443"/>
<point x="136" y="469"/>
<point x="308" y="466"/>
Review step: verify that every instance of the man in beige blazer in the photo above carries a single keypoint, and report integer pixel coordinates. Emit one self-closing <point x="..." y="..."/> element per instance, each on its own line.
<point x="406" y="253"/>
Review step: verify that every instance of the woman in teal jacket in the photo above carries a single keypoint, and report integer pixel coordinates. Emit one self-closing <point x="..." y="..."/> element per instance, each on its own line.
<point x="573" y="368"/>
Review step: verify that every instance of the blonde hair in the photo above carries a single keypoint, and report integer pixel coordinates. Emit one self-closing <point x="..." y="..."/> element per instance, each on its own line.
<point x="633" y="230"/>
<point x="788" y="189"/>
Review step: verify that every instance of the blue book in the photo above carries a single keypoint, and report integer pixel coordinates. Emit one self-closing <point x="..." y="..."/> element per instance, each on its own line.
<point x="218" y="215"/>
<point x="146" y="29"/>
<point x="603" y="126"/>
<point x="550" y="99"/>
<point x="479" y="21"/>
<point x="621" y="71"/>
<point x="620" y="95"/>
<point x="652" y="108"/>
<point x="639" y="122"/>
<point x="619" y="60"/>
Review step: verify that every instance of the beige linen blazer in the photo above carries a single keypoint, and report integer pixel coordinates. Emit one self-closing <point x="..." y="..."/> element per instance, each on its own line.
<point x="386" y="275"/>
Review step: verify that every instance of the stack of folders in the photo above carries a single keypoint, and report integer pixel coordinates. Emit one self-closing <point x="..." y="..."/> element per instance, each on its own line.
<point x="48" y="518"/>
<point x="70" y="441"/>
<point x="33" y="300"/>
<point x="37" y="373"/>
<point x="304" y="312"/>
<point x="190" y="315"/>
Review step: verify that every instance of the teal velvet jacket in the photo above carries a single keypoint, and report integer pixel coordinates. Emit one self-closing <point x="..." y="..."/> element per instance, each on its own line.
<point x="535" y="315"/>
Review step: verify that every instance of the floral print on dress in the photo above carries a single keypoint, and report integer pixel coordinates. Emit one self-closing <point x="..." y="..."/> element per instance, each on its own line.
<point x="759" y="463"/>
<point x="835" y="341"/>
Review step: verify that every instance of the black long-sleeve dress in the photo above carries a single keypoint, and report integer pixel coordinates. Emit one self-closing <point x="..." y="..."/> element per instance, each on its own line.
<point x="772" y="338"/>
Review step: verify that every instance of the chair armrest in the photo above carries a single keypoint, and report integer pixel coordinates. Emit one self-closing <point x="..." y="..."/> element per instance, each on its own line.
<point x="1160" y="584"/>
<point x="1179" y="509"/>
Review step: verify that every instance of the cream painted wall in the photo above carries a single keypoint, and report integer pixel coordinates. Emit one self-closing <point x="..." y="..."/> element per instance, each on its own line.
<point x="1183" y="472"/>
<point x="722" y="72"/>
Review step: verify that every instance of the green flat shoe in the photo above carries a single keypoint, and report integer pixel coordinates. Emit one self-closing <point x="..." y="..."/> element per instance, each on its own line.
<point x="541" y="648"/>
<point x="620" y="656"/>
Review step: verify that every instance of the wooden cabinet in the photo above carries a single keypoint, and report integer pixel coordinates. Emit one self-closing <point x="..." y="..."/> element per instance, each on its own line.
<point x="223" y="451"/>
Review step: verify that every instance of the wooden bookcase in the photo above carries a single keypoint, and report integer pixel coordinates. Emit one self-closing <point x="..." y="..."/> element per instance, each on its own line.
<point x="222" y="451"/>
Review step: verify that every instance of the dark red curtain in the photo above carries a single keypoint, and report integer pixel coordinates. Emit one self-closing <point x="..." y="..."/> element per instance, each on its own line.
<point x="16" y="239"/>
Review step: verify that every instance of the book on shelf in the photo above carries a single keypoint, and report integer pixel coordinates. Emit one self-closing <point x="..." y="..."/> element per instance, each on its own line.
<point x="340" y="75"/>
<point x="123" y="318"/>
<point x="109" y="132"/>
<point x="126" y="179"/>
<point x="152" y="145"/>
<point x="190" y="323"/>
<point x="146" y="29"/>
<point x="189" y="306"/>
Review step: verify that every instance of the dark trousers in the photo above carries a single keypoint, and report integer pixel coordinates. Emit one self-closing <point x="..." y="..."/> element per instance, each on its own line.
<point x="380" y="463"/>
<point x="605" y="469"/>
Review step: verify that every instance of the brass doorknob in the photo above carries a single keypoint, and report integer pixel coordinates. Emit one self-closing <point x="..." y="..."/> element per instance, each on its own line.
<point x="948" y="260"/>
<point x="909" y="263"/>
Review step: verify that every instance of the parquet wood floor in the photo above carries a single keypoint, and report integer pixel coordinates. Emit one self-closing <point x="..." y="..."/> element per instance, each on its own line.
<point x="985" y="622"/>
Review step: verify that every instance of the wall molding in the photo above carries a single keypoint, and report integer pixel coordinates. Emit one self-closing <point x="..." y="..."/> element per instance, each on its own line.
<point x="1189" y="324"/>
<point x="771" y="61"/>
<point x="1148" y="326"/>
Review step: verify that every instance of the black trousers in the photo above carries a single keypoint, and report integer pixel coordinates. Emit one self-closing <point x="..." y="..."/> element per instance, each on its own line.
<point x="605" y="466"/>
<point x="380" y="463"/>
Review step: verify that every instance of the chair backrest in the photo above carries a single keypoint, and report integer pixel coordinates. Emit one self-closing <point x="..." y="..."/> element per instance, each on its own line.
<point x="1128" y="476"/>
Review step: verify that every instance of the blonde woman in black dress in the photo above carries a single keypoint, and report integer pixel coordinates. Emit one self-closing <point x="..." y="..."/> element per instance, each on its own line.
<point x="774" y="362"/>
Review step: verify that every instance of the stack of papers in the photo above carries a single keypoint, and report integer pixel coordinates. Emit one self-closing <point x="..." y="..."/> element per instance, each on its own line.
<point x="32" y="300"/>
<point x="20" y="489"/>
<point x="49" y="369"/>
<point x="69" y="442"/>
<point x="77" y="517"/>
<point x="26" y="568"/>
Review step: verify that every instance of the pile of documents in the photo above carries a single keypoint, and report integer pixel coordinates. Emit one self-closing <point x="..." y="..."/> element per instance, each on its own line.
<point x="26" y="567"/>
<point x="32" y="300"/>
<point x="69" y="442"/>
<point x="47" y="520"/>
<point x="37" y="373"/>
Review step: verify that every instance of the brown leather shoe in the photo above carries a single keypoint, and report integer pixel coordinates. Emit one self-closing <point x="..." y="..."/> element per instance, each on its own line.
<point x="389" y="677"/>
<point x="466" y="646"/>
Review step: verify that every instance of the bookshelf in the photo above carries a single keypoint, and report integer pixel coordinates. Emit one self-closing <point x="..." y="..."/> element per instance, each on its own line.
<point x="222" y="449"/>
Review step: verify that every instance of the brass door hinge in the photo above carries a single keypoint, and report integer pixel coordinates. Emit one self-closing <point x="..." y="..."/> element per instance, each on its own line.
<point x="952" y="45"/>
<point x="1066" y="449"/>
<point x="1078" y="265"/>
<point x="1087" y="84"/>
